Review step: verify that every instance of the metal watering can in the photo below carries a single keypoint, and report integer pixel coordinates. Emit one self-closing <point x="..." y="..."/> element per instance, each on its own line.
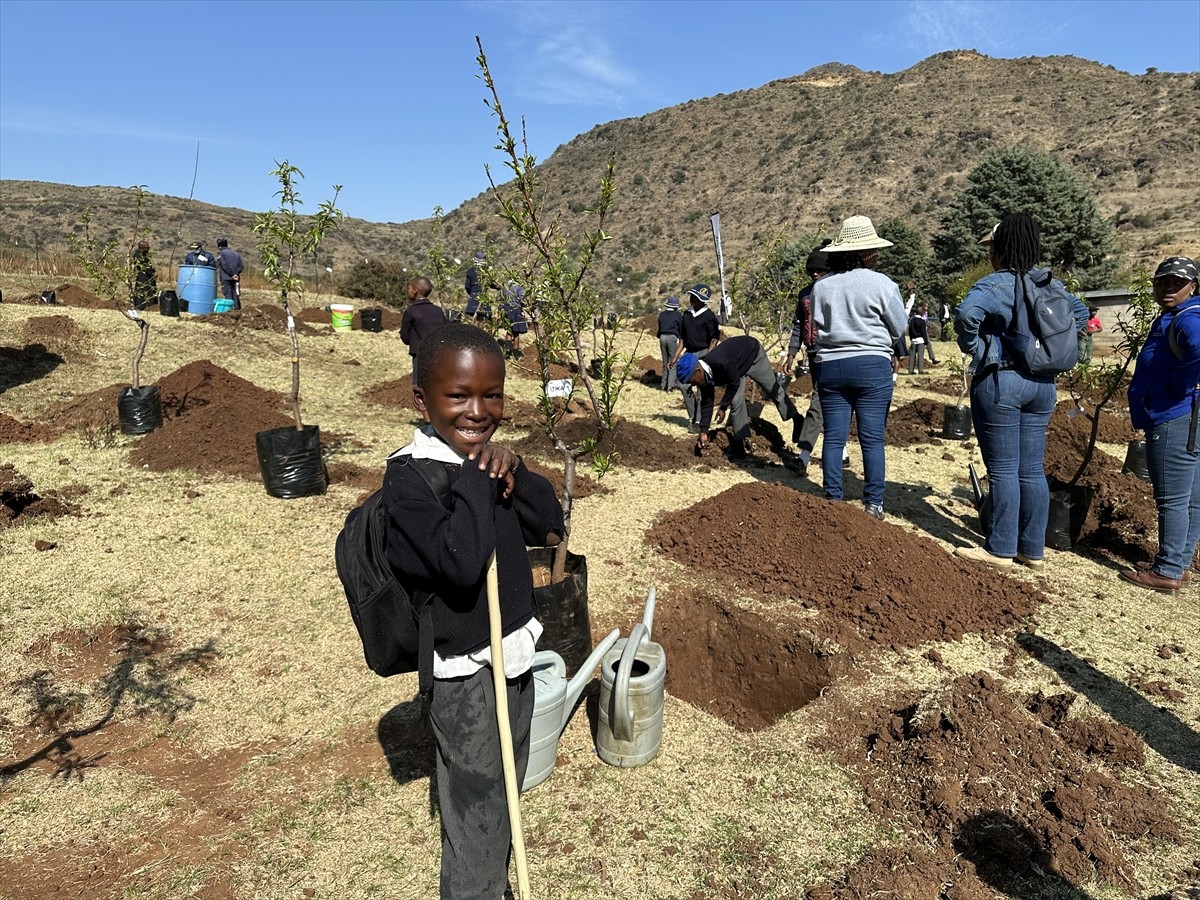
<point x="632" y="682"/>
<point x="554" y="700"/>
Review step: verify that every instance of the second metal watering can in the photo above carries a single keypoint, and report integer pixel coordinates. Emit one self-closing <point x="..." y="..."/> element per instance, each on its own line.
<point x="632" y="688"/>
<point x="554" y="700"/>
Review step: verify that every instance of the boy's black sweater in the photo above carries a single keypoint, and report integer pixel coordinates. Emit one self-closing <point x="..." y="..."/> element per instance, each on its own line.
<point x="446" y="551"/>
<point x="699" y="331"/>
<point x="729" y="362"/>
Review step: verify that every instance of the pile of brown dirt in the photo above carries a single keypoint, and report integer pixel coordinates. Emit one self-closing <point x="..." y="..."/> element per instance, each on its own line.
<point x="995" y="796"/>
<point x="792" y="550"/>
<point x="14" y="432"/>
<point x="259" y="318"/>
<point x="58" y="329"/>
<point x="919" y="422"/>
<point x="70" y="295"/>
<point x="210" y="417"/>
<point x="1072" y="383"/>
<point x="94" y="410"/>
<point x="397" y="392"/>
<point x="633" y="444"/>
<point x="19" y="503"/>
<point x="647" y="323"/>
<point x="1074" y="433"/>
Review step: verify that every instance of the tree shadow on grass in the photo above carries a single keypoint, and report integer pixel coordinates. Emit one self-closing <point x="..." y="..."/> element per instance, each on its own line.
<point x="1160" y="728"/>
<point x="145" y="682"/>
<point x="20" y="365"/>
<point x="1010" y="857"/>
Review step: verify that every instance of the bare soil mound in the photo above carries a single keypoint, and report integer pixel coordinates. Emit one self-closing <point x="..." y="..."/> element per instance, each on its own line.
<point x="19" y="503"/>
<point x="919" y="422"/>
<point x="397" y="392"/>
<point x="995" y="796"/>
<point x="1114" y="428"/>
<point x="14" y="432"/>
<point x="58" y="329"/>
<point x="258" y="318"/>
<point x="792" y="550"/>
<point x="210" y="417"/>
<point x="633" y="444"/>
<point x="70" y="295"/>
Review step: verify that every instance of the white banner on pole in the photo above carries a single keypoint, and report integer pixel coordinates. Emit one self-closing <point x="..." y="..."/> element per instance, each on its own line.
<point x="726" y="300"/>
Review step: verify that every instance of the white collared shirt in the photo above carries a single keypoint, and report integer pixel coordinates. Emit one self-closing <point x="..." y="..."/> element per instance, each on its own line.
<point x="519" y="646"/>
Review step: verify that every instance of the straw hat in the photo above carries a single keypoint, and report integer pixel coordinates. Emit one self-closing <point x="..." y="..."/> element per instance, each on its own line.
<point x="858" y="233"/>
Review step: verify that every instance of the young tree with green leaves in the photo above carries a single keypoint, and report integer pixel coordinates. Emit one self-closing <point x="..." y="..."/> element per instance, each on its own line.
<point x="1075" y="237"/>
<point x="562" y="302"/>
<point x="111" y="268"/>
<point x="285" y="241"/>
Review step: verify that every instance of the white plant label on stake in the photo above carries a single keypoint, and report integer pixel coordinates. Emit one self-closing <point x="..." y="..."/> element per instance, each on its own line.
<point x="559" y="387"/>
<point x="1077" y="411"/>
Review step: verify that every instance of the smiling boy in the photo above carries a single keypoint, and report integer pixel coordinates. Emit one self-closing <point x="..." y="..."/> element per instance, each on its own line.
<point x="441" y="548"/>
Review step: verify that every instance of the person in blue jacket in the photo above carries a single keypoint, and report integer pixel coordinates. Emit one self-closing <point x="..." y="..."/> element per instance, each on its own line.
<point x="1164" y="399"/>
<point x="1009" y="408"/>
<point x="728" y="365"/>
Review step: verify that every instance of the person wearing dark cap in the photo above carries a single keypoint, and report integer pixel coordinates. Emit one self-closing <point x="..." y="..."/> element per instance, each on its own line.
<point x="145" y="283"/>
<point x="229" y="268"/>
<point x="1164" y="400"/>
<point x="198" y="256"/>
<point x="859" y="320"/>
<point x="421" y="318"/>
<point x="476" y="309"/>
<point x="514" y="313"/>
<point x="698" y="333"/>
<point x="670" y="323"/>
<point x="805" y="431"/>
<point x="728" y="365"/>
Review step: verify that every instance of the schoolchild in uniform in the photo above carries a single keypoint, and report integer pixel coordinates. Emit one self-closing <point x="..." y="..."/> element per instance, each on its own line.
<point x="670" y="323"/>
<point x="495" y="504"/>
<point x="698" y="334"/>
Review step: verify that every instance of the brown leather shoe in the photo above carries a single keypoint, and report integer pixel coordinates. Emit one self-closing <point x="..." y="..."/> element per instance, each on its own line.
<point x="1151" y="580"/>
<point x="1185" y="578"/>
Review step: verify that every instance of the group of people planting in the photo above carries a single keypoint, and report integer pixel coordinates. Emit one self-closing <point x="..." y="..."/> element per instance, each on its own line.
<point x="852" y="322"/>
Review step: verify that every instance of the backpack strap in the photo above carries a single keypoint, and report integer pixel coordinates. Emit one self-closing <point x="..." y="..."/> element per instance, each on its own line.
<point x="437" y="477"/>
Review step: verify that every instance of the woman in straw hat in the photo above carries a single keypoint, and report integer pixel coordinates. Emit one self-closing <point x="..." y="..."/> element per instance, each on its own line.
<point x="859" y="318"/>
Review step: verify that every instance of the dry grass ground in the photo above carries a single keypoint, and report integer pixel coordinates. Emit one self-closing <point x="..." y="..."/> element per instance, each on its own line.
<point x="190" y="635"/>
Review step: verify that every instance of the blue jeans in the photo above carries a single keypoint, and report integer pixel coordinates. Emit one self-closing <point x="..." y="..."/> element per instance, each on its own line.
<point x="1011" y="413"/>
<point x="861" y="385"/>
<point x="1175" y="475"/>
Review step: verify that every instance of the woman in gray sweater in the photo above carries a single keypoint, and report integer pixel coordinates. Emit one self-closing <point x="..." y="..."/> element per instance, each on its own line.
<point x="859" y="318"/>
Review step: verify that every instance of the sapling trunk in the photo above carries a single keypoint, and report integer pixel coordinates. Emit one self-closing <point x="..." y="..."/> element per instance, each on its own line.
<point x="1114" y="386"/>
<point x="295" y="398"/>
<point x="143" y="338"/>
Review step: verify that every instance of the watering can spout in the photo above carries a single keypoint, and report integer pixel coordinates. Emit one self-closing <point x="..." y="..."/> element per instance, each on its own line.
<point x="584" y="674"/>
<point x="648" y="615"/>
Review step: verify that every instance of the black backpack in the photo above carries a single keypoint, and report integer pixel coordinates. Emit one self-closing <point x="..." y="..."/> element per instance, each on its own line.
<point x="1043" y="338"/>
<point x="394" y="623"/>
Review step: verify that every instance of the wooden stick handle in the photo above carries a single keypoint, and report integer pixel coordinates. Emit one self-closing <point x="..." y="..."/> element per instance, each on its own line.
<point x="511" y="788"/>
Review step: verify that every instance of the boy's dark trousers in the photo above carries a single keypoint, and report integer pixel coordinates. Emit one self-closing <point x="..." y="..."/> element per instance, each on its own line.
<point x="476" y="839"/>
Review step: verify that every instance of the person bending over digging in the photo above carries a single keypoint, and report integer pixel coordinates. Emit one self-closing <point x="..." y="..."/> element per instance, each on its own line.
<point x="443" y="546"/>
<point x="727" y="365"/>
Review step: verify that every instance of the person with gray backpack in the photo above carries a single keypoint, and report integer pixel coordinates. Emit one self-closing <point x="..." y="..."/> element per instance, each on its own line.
<point x="1020" y="326"/>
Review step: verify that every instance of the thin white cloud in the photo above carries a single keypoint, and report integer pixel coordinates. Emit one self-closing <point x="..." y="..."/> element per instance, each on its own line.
<point x="566" y="57"/>
<point x="76" y="126"/>
<point x="950" y="24"/>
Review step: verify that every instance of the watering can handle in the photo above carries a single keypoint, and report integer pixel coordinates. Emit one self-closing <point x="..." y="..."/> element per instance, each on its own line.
<point x="622" y="708"/>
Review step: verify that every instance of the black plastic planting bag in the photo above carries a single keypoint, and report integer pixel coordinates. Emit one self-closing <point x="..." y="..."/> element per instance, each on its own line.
<point x="1069" y="506"/>
<point x="139" y="409"/>
<point x="563" y="610"/>
<point x="290" y="462"/>
<point x="168" y="304"/>
<point x="1135" y="460"/>
<point x="372" y="320"/>
<point x="956" y="424"/>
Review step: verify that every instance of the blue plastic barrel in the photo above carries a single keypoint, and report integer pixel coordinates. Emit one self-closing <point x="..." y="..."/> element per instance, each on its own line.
<point x="198" y="286"/>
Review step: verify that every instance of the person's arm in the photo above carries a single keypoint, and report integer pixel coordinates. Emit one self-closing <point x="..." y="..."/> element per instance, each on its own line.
<point x="406" y="325"/>
<point x="707" y="395"/>
<point x="538" y="509"/>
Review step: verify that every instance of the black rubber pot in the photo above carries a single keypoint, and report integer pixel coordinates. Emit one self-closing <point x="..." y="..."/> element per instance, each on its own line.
<point x="956" y="423"/>
<point x="139" y="409"/>
<point x="291" y="462"/>
<point x="563" y="610"/>
<point x="1135" y="460"/>
<point x="49" y="298"/>
<point x="372" y="320"/>
<point x="168" y="304"/>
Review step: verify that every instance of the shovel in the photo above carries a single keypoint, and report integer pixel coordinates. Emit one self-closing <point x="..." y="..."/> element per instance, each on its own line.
<point x="511" y="785"/>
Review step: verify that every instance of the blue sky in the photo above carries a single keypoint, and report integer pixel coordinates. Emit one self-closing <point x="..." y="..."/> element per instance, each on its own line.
<point x="384" y="97"/>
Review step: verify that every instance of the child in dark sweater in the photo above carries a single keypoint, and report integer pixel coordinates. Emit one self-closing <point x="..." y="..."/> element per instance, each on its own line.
<point x="495" y="504"/>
